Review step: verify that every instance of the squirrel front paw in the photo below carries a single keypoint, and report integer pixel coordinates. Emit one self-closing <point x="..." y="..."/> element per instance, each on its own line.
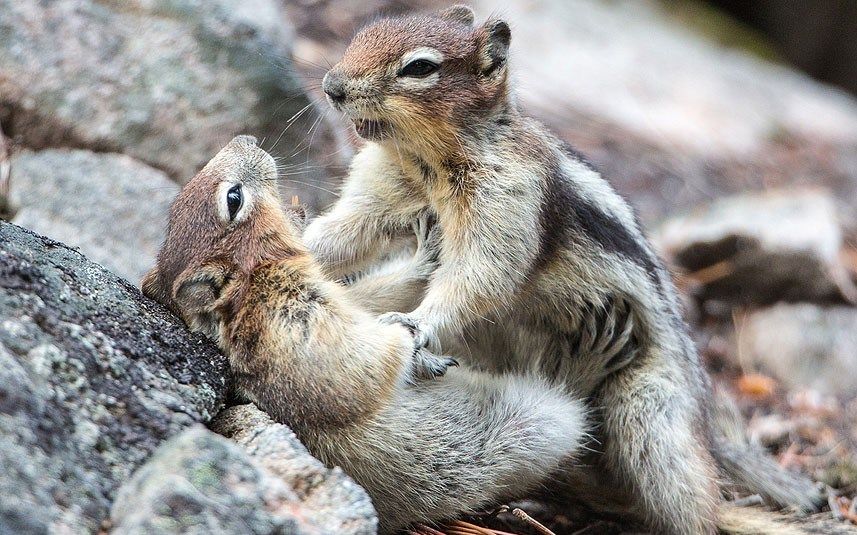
<point x="427" y="365"/>
<point x="424" y="337"/>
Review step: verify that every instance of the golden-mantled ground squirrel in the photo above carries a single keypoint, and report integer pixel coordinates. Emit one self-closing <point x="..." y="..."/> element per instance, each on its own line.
<point x="353" y="389"/>
<point x="542" y="265"/>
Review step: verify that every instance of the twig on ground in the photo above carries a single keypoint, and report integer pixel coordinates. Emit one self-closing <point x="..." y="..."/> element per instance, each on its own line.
<point x="520" y="514"/>
<point x="460" y="527"/>
<point x="422" y="529"/>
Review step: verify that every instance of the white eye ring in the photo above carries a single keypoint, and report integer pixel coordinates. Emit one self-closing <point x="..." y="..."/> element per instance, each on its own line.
<point x="425" y="53"/>
<point x="226" y="215"/>
<point x="424" y="81"/>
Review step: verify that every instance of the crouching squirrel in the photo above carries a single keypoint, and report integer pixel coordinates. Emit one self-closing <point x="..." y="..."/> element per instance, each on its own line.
<point x="542" y="268"/>
<point x="426" y="443"/>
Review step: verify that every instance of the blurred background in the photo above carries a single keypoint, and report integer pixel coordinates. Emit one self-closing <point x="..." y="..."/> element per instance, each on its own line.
<point x="730" y="126"/>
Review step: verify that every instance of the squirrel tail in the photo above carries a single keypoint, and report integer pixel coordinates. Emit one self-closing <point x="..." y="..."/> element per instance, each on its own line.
<point x="751" y="521"/>
<point x="750" y="469"/>
<point x="735" y="520"/>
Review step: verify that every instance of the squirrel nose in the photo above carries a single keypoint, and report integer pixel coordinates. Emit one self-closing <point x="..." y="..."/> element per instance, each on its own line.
<point x="244" y="140"/>
<point x="334" y="86"/>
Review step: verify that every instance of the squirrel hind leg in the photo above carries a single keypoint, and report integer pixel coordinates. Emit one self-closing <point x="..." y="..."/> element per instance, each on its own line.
<point x="655" y="442"/>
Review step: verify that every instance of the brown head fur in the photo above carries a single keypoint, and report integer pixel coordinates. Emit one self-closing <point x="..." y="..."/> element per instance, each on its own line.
<point x="233" y="273"/>
<point x="205" y="247"/>
<point x="423" y="112"/>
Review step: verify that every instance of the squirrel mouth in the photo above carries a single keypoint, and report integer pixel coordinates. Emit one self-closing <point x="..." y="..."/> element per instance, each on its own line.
<point x="371" y="129"/>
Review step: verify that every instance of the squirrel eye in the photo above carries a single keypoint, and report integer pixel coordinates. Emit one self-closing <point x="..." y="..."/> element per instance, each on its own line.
<point x="419" y="68"/>
<point x="234" y="200"/>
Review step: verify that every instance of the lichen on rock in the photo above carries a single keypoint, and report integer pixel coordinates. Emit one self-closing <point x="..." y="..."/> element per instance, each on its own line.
<point x="93" y="377"/>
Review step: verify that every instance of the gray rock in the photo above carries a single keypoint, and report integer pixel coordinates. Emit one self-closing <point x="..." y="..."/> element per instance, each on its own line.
<point x="762" y="248"/>
<point x="803" y="345"/>
<point x="168" y="82"/>
<point x="332" y="500"/>
<point x="111" y="206"/>
<point x="93" y="377"/>
<point x="200" y="483"/>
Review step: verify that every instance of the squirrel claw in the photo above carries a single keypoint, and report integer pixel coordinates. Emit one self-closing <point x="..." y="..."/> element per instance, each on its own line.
<point x="427" y="365"/>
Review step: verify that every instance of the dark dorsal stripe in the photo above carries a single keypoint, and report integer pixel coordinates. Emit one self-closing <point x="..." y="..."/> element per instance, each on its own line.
<point x="564" y="213"/>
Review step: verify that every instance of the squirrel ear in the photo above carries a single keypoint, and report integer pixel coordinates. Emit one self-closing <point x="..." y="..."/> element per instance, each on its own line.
<point x="458" y="13"/>
<point x="197" y="291"/>
<point x="195" y="299"/>
<point x="495" y="49"/>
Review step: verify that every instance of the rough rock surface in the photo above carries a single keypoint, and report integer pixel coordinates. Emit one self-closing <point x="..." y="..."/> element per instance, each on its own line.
<point x="763" y="248"/>
<point x="803" y="345"/>
<point x="200" y="483"/>
<point x="93" y="377"/>
<point x="168" y="82"/>
<point x="332" y="500"/>
<point x="111" y="206"/>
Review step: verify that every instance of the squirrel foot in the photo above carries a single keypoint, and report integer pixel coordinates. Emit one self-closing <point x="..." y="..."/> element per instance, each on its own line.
<point x="427" y="365"/>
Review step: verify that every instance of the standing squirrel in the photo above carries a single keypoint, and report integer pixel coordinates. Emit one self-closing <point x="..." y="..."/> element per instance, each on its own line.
<point x="357" y="394"/>
<point x="542" y="265"/>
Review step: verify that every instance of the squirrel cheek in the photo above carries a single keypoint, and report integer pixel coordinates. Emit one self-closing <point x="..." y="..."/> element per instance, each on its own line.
<point x="402" y="105"/>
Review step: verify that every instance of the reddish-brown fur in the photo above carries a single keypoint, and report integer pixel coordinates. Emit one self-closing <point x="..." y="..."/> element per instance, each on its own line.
<point x="352" y="388"/>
